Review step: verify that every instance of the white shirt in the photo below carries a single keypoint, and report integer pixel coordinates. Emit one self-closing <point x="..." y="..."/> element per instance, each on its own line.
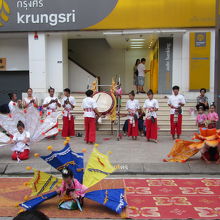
<point x="175" y="100"/>
<point x="133" y="105"/>
<point x="27" y="101"/>
<point x="141" y="69"/>
<point x="53" y="106"/>
<point x="148" y="104"/>
<point x="68" y="107"/>
<point x="88" y="105"/>
<point x="19" y="138"/>
<point x="12" y="105"/>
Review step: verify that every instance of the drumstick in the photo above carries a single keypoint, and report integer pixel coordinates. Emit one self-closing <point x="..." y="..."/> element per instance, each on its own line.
<point x="98" y="98"/>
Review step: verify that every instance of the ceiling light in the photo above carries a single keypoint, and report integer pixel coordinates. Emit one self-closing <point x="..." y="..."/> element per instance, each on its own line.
<point x="137" y="39"/>
<point x="136" y="47"/>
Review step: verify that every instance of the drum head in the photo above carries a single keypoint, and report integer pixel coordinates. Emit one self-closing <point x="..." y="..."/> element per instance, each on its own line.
<point x="104" y="101"/>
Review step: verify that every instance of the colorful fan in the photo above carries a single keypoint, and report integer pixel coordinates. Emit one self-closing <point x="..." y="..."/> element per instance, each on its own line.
<point x="67" y="158"/>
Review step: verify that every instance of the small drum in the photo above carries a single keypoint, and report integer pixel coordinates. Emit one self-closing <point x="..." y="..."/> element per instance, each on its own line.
<point x="104" y="101"/>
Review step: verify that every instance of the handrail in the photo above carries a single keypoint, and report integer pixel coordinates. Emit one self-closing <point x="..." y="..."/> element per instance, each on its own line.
<point x="88" y="71"/>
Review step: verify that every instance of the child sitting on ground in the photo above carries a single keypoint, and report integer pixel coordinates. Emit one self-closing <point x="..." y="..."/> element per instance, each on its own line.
<point x="21" y="141"/>
<point x="71" y="190"/>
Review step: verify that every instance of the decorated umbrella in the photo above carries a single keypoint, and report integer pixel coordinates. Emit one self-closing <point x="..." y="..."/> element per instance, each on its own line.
<point x="98" y="167"/>
<point x="111" y="198"/>
<point x="33" y="203"/>
<point x="67" y="158"/>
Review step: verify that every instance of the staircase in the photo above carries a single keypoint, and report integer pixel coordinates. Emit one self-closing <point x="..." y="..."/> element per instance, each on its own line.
<point x="189" y="125"/>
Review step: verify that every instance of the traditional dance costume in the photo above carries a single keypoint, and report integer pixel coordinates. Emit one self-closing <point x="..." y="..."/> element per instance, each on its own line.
<point x="151" y="118"/>
<point x="132" y="106"/>
<point x="213" y="118"/>
<point x="28" y="103"/>
<point x="176" y="113"/>
<point x="88" y="105"/>
<point x="20" y="150"/>
<point x="201" y="119"/>
<point x="68" y="118"/>
<point x="12" y="106"/>
<point x="51" y="107"/>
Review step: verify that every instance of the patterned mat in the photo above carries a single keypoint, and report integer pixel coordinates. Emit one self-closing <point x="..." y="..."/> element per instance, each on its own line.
<point x="147" y="199"/>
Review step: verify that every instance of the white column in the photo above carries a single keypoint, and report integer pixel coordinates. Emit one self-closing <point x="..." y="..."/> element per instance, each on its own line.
<point x="57" y="68"/>
<point x="177" y="61"/>
<point x="37" y="62"/>
<point x="185" y="63"/>
<point x="212" y="61"/>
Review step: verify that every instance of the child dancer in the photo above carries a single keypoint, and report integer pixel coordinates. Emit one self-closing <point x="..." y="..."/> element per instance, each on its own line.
<point x="132" y="107"/>
<point x="68" y="103"/>
<point x="89" y="106"/>
<point x="201" y="117"/>
<point x="151" y="106"/>
<point x="51" y="103"/>
<point x="176" y="102"/>
<point x="212" y="116"/>
<point x="14" y="102"/>
<point x="20" y="140"/>
<point x="71" y="190"/>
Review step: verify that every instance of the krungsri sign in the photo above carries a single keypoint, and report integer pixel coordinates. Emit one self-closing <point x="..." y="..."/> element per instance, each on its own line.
<point x="52" y="15"/>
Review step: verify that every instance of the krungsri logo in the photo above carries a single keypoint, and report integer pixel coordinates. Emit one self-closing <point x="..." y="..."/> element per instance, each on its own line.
<point x="4" y="12"/>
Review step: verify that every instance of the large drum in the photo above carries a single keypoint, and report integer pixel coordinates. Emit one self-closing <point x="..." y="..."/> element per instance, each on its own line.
<point x="105" y="102"/>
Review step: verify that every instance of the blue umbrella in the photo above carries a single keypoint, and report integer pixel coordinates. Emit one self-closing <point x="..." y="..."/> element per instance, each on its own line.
<point x="31" y="204"/>
<point x="67" y="158"/>
<point x="111" y="198"/>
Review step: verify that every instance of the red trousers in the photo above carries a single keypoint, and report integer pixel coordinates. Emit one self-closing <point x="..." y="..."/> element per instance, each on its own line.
<point x="133" y="130"/>
<point x="90" y="129"/>
<point x="176" y="127"/>
<point x="21" y="155"/>
<point x="151" y="129"/>
<point x="68" y="127"/>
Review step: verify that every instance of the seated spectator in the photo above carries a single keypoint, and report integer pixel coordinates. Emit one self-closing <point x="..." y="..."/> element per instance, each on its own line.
<point x="141" y="125"/>
<point x="202" y="100"/>
<point x="31" y="215"/>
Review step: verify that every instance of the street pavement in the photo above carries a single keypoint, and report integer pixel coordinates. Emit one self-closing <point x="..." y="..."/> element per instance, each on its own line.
<point x="134" y="157"/>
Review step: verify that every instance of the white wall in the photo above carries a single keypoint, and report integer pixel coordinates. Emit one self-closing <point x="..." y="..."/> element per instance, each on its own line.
<point x="16" y="53"/>
<point x="78" y="78"/>
<point x="38" y="62"/>
<point x="97" y="56"/>
<point x="48" y="60"/>
<point x="55" y="62"/>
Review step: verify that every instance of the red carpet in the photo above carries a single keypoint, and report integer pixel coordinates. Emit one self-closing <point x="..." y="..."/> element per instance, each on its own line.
<point x="147" y="199"/>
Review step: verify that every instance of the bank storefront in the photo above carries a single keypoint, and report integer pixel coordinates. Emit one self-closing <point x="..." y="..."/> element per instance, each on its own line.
<point x="68" y="43"/>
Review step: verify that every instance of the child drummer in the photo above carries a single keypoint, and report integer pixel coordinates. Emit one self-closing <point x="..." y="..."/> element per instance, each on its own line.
<point x="89" y="106"/>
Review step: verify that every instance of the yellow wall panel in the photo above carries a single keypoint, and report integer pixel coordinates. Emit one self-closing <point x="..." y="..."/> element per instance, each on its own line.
<point x="141" y="14"/>
<point x="199" y="61"/>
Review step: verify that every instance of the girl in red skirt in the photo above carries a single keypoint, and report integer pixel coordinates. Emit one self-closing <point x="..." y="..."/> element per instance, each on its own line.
<point x="151" y="106"/>
<point x="132" y="107"/>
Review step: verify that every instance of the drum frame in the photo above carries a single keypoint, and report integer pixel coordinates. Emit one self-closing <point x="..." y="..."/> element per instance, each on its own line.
<point x="113" y="102"/>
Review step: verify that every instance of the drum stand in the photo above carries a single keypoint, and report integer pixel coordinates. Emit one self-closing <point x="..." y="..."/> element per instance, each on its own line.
<point x="119" y="118"/>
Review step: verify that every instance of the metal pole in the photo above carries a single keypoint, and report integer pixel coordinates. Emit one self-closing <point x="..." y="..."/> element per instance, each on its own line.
<point x="217" y="60"/>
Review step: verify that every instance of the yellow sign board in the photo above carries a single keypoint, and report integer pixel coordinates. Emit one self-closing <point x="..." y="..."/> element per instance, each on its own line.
<point x="143" y="14"/>
<point x="200" y="60"/>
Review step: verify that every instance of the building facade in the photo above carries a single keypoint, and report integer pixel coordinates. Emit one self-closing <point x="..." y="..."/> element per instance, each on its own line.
<point x="43" y="45"/>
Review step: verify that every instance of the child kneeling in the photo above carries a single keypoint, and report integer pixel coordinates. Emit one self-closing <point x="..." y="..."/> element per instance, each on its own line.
<point x="21" y="142"/>
<point x="72" y="192"/>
